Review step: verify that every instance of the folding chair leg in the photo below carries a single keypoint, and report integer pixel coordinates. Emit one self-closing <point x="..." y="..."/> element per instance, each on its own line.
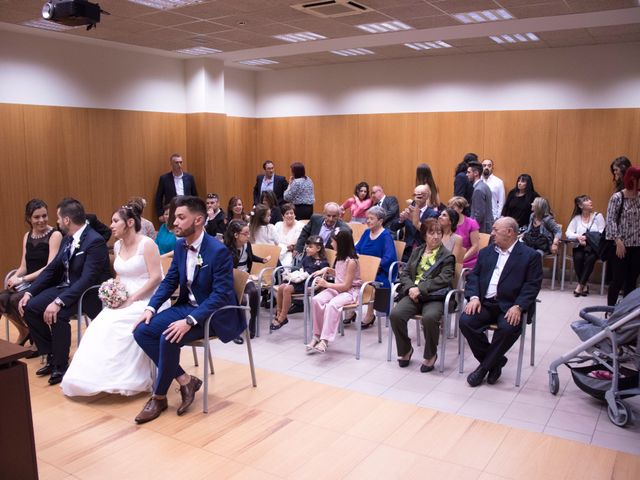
<point x="553" y="273"/>
<point x="604" y="271"/>
<point x="247" y="340"/>
<point x="195" y="356"/>
<point x="521" y="354"/>
<point x="389" y="343"/>
<point x="461" y="352"/>
<point x="210" y="362"/>
<point x="418" y="340"/>
<point x="6" y="319"/>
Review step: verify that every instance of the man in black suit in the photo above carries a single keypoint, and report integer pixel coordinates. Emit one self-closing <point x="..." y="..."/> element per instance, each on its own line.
<point x="214" y="223"/>
<point x="323" y="225"/>
<point x="82" y="261"/>
<point x="504" y="283"/>
<point x="269" y="181"/>
<point x="389" y="203"/>
<point x="174" y="183"/>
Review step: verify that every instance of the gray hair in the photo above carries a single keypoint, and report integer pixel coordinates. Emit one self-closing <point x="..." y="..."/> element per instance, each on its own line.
<point x="332" y="205"/>
<point x="541" y="207"/>
<point x="511" y="223"/>
<point x="377" y="212"/>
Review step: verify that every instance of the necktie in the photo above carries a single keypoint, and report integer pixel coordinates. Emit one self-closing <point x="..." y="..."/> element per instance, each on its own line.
<point x="189" y="247"/>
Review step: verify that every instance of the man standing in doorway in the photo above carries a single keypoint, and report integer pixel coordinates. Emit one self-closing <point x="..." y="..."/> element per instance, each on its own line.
<point x="174" y="183"/>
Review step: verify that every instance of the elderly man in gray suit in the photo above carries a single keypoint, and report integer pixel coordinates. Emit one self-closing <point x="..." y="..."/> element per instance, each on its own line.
<point x="481" y="200"/>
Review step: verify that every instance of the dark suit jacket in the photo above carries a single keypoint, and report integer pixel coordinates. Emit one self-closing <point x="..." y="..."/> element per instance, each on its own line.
<point x="216" y="225"/>
<point x="280" y="184"/>
<point x="481" y="207"/>
<point x="167" y="190"/>
<point x="98" y="226"/>
<point x="89" y="265"/>
<point x="390" y="205"/>
<point x="440" y="275"/>
<point x="313" y="228"/>
<point x="519" y="282"/>
<point x="462" y="187"/>
<point x="212" y="286"/>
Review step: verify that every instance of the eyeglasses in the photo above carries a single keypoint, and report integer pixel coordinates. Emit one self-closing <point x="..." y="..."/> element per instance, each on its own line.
<point x="211" y="195"/>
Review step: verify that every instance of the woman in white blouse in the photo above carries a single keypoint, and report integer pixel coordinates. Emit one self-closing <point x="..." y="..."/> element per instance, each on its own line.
<point x="261" y="231"/>
<point x="583" y="220"/>
<point x="288" y="232"/>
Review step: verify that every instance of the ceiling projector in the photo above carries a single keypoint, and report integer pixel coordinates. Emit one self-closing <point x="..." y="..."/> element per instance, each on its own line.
<point x="72" y="12"/>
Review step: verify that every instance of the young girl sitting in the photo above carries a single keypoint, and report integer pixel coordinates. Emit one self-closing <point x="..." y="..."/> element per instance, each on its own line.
<point x="260" y="228"/>
<point x="236" y="238"/>
<point x="342" y="291"/>
<point x="314" y="260"/>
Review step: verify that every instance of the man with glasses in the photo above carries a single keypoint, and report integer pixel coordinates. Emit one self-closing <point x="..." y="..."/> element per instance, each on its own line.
<point x="322" y="225"/>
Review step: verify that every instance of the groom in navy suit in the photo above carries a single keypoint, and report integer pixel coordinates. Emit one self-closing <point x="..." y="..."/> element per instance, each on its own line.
<point x="504" y="283"/>
<point x="203" y="269"/>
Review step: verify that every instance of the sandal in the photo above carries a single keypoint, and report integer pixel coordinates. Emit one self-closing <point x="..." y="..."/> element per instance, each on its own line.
<point x="278" y="325"/>
<point x="312" y="344"/>
<point x="321" y="346"/>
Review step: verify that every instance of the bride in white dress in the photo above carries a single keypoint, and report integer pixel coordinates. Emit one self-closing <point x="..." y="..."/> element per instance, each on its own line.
<point x="108" y="358"/>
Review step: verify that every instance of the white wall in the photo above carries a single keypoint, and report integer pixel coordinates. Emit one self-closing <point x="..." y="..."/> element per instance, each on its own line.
<point x="43" y="71"/>
<point x="240" y="92"/>
<point x="599" y="76"/>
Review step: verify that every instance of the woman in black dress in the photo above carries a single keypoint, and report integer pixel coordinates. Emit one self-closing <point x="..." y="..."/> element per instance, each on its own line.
<point x="39" y="246"/>
<point x="519" y="199"/>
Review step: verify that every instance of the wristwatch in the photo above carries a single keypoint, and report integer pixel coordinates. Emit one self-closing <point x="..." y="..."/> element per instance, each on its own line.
<point x="190" y="321"/>
<point x="59" y="302"/>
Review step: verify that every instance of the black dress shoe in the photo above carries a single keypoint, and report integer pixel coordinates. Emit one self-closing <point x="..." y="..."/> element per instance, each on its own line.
<point x="350" y="319"/>
<point x="238" y="340"/>
<point x="428" y="368"/>
<point x="405" y="363"/>
<point x="365" y="325"/>
<point x="47" y="369"/>
<point x="476" y="377"/>
<point x="496" y="371"/>
<point x="57" y="374"/>
<point x="33" y="354"/>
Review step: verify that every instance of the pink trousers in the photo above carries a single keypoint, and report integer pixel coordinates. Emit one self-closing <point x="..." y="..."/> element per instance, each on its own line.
<point x="326" y="313"/>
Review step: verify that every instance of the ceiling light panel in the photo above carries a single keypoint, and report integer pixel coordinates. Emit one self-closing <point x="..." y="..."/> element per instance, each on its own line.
<point x="515" y="38"/>
<point x="166" y="4"/>
<point x="428" y="45"/>
<point x="483" y="16"/>
<point x="47" y="25"/>
<point x="300" y="37"/>
<point x="384" y="27"/>
<point x="258" y="61"/>
<point x="352" y="52"/>
<point x="198" y="51"/>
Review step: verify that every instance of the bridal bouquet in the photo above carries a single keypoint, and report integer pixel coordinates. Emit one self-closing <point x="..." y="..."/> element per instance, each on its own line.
<point x="112" y="293"/>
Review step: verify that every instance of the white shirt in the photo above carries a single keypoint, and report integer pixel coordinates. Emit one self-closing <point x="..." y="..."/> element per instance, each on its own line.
<point x="497" y="194"/>
<point x="192" y="261"/>
<point x="578" y="227"/>
<point x="503" y="256"/>
<point x="177" y="181"/>
<point x="76" y="239"/>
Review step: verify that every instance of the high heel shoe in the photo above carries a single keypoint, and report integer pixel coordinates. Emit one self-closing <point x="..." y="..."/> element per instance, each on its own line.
<point x="576" y="293"/>
<point x="402" y="362"/>
<point x="25" y="339"/>
<point x="428" y="368"/>
<point x="366" y="325"/>
<point x="585" y="291"/>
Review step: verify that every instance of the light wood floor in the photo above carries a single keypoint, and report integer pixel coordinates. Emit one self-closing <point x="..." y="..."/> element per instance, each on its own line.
<point x="297" y="429"/>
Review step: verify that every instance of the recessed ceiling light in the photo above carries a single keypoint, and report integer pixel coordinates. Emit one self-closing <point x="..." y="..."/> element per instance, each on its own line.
<point x="383" y="27"/>
<point x="428" y="45"/>
<point x="198" y="51"/>
<point x="47" y="25"/>
<point x="300" y="37"/>
<point x="352" y="52"/>
<point x="483" y="16"/>
<point x="516" y="38"/>
<point x="258" y="61"/>
<point x="166" y="4"/>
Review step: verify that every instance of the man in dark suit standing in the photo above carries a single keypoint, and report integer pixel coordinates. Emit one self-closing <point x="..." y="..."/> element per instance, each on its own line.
<point x="82" y="261"/>
<point x="323" y="225"/>
<point x="504" y="283"/>
<point x="203" y="269"/>
<point x="174" y="183"/>
<point x="481" y="206"/>
<point x="269" y="181"/>
<point x="389" y="203"/>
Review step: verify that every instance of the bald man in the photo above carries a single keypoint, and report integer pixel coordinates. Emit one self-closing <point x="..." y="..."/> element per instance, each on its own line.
<point x="323" y="225"/>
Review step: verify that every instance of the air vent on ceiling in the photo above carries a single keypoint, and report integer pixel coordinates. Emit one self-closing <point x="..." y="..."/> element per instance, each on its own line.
<point x="332" y="8"/>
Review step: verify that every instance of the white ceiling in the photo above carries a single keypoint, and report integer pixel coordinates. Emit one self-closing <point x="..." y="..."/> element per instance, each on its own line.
<point x="244" y="29"/>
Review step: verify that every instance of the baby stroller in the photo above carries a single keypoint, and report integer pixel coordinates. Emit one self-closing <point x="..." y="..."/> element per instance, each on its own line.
<point x="606" y="364"/>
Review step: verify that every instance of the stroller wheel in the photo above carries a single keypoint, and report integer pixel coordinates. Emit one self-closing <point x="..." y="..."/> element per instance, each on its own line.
<point x="554" y="383"/>
<point x="620" y="414"/>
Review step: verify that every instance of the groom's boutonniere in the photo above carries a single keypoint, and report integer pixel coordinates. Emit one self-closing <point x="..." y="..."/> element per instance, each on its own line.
<point x="199" y="261"/>
<point x="76" y="244"/>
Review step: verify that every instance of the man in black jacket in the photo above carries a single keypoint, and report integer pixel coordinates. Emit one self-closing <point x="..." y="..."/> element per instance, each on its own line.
<point x="174" y="183"/>
<point x="269" y="181"/>
<point x="389" y="203"/>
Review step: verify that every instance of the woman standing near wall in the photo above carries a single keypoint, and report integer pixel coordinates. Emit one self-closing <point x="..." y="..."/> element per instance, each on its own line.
<point x="300" y="192"/>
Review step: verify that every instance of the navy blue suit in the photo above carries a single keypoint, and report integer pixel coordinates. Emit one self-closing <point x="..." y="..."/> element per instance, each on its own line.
<point x="519" y="284"/>
<point x="212" y="287"/>
<point x="88" y="265"/>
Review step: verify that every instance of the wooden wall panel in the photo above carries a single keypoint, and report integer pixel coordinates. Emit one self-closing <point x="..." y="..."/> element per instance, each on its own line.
<point x="238" y="176"/>
<point x="281" y="140"/>
<point x="589" y="140"/>
<point x="444" y="139"/>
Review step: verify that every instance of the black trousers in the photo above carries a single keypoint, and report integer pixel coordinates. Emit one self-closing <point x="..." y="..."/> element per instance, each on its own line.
<point x="303" y="212"/>
<point x="55" y="339"/>
<point x="473" y="327"/>
<point x="584" y="259"/>
<point x="624" y="274"/>
<point x="254" y="303"/>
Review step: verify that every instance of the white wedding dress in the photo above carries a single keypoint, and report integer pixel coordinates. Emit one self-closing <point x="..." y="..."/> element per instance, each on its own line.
<point x="108" y="358"/>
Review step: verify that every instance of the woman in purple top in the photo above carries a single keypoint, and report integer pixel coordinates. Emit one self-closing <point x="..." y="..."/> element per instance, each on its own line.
<point x="469" y="230"/>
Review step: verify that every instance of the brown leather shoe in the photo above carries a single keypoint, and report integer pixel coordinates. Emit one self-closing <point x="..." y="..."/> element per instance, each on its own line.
<point x="152" y="410"/>
<point x="188" y="393"/>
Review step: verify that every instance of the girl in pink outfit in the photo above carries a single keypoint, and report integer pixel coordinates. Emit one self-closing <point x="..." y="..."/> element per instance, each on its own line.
<point x="359" y="203"/>
<point x="343" y="290"/>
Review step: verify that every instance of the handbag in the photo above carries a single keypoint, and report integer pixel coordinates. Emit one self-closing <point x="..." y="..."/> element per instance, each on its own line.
<point x="607" y="248"/>
<point x="593" y="238"/>
<point x="437" y="295"/>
